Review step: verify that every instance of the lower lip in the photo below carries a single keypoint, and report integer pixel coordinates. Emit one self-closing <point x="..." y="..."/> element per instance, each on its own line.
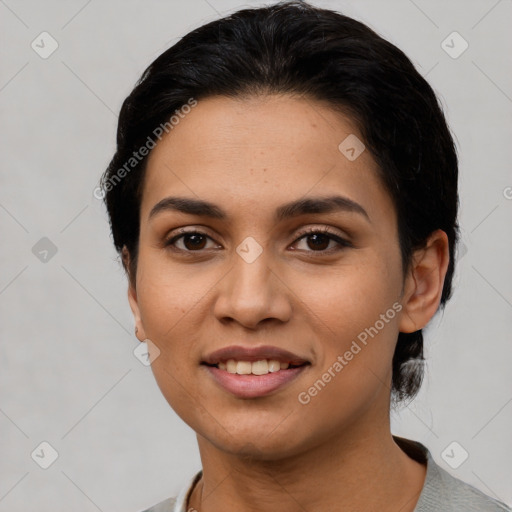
<point x="253" y="386"/>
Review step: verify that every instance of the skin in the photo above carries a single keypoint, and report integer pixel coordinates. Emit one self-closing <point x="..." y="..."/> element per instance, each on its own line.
<point x="249" y="156"/>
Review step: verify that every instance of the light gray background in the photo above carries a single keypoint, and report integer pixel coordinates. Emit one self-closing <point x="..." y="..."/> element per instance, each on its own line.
<point x="68" y="373"/>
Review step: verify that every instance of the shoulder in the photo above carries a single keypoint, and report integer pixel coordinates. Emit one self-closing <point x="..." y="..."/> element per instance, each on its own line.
<point x="454" y="495"/>
<point x="179" y="503"/>
<point x="443" y="492"/>
<point x="164" y="506"/>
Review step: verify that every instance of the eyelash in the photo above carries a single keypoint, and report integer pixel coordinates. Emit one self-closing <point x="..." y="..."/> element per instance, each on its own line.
<point x="310" y="231"/>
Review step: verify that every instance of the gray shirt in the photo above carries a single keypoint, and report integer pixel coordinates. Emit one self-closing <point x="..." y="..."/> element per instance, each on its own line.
<point x="441" y="491"/>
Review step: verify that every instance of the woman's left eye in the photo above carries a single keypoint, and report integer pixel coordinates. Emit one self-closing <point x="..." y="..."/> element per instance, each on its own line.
<point x="319" y="240"/>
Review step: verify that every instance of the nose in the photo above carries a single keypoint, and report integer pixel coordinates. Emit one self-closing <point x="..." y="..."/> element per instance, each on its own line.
<point x="253" y="293"/>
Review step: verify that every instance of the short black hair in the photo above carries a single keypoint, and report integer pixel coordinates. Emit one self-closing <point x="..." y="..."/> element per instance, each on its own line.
<point x="295" y="48"/>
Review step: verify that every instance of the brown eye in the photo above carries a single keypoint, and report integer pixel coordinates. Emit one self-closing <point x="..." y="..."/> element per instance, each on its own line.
<point x="194" y="241"/>
<point x="318" y="241"/>
<point x="189" y="241"/>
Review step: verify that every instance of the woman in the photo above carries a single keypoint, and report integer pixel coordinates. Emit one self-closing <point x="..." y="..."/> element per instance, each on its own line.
<point x="284" y="198"/>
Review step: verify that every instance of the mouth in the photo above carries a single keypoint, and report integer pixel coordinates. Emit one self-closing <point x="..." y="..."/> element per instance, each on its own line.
<point x="260" y="367"/>
<point x="253" y="372"/>
<point x="253" y="360"/>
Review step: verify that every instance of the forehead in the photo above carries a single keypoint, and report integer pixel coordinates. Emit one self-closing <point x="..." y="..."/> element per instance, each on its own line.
<point x="261" y="150"/>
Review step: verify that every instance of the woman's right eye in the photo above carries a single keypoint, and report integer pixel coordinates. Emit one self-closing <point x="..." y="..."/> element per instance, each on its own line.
<point x="191" y="241"/>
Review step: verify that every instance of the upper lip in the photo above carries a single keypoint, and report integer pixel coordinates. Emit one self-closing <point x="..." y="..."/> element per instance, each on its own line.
<point x="241" y="353"/>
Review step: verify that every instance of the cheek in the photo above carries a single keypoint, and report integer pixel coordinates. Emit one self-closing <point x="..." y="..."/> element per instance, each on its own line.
<point x="168" y="301"/>
<point x="349" y="299"/>
<point x="167" y="293"/>
<point x="356" y="312"/>
<point x="355" y="369"/>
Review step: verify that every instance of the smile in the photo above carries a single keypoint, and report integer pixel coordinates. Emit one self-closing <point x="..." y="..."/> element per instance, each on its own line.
<point x="261" y="367"/>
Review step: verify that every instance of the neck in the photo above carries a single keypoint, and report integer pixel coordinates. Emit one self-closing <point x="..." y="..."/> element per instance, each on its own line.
<point x="363" y="470"/>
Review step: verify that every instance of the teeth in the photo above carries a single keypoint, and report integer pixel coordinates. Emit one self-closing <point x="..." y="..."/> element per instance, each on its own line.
<point x="261" y="367"/>
<point x="274" y="366"/>
<point x="243" y="367"/>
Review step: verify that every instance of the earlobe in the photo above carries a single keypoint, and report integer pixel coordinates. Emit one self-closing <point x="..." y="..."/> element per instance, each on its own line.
<point x="424" y="283"/>
<point x="132" y="297"/>
<point x="134" y="306"/>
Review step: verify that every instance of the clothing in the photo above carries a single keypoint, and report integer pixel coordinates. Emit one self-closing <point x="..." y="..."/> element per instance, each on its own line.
<point x="441" y="492"/>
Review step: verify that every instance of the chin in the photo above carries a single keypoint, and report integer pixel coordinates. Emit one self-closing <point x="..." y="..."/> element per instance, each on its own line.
<point x="258" y="443"/>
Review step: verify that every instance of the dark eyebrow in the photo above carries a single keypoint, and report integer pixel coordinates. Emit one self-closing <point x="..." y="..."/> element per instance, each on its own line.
<point x="319" y="205"/>
<point x="296" y="208"/>
<point x="188" y="205"/>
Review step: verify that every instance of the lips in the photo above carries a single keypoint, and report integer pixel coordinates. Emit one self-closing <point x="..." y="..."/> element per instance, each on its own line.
<point x="252" y="354"/>
<point x="253" y="372"/>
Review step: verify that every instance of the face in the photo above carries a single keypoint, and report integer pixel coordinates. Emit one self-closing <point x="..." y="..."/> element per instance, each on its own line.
<point x="275" y="272"/>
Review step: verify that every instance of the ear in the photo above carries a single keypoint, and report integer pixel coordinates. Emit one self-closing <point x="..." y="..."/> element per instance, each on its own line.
<point x="132" y="296"/>
<point x="424" y="283"/>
